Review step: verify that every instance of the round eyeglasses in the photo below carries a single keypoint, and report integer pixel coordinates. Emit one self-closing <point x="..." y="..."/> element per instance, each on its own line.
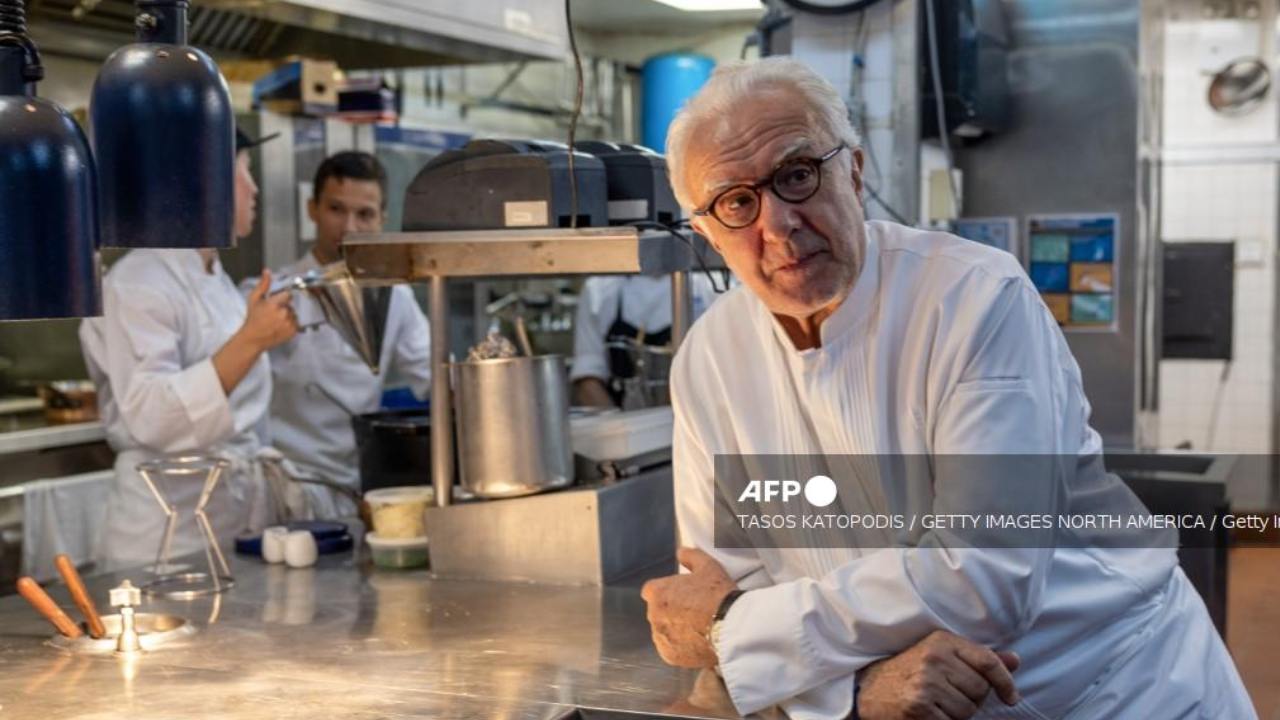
<point x="793" y="181"/>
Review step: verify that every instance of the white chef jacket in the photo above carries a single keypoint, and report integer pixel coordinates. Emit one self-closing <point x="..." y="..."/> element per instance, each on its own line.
<point x="319" y="380"/>
<point x="942" y="347"/>
<point x="645" y="303"/>
<point x="150" y="356"/>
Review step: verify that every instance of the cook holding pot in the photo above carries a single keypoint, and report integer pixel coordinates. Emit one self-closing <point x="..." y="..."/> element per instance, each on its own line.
<point x="179" y="360"/>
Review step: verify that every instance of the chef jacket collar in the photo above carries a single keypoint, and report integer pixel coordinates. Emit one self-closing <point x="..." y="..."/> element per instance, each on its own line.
<point x="190" y="263"/>
<point x="308" y="261"/>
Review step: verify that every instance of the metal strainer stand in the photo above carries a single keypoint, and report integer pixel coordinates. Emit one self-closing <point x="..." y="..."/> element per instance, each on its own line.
<point x="187" y="585"/>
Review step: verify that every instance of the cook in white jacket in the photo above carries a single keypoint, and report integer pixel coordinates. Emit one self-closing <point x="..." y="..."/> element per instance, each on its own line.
<point x="180" y="365"/>
<point x="621" y="308"/>
<point x="319" y="381"/>
<point x="854" y="338"/>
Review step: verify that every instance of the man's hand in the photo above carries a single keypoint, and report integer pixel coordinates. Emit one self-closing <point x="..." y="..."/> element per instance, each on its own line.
<point x="942" y="677"/>
<point x="270" y="320"/>
<point x="681" y="608"/>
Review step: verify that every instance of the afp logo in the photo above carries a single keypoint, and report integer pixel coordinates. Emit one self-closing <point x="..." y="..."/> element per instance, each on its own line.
<point x="819" y="490"/>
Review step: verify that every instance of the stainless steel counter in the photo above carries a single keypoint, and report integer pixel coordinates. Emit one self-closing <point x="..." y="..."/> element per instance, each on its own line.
<point x="346" y="640"/>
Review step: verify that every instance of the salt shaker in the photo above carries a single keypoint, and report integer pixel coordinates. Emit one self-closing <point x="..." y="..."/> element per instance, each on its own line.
<point x="127" y="597"/>
<point x="273" y="543"/>
<point x="300" y="549"/>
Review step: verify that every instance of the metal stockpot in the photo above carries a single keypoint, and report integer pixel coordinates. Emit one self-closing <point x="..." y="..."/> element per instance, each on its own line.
<point x="512" y="420"/>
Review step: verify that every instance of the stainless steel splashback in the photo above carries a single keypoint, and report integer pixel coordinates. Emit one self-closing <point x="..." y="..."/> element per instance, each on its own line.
<point x="1072" y="147"/>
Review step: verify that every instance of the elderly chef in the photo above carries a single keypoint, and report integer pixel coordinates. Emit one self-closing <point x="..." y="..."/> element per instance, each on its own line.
<point x="179" y="360"/>
<point x="319" y="379"/>
<point x="860" y="338"/>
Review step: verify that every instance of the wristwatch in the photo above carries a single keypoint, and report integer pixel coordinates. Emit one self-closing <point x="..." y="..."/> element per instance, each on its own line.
<point x="717" y="620"/>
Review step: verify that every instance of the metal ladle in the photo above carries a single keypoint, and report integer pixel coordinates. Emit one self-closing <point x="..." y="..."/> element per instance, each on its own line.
<point x="1240" y="87"/>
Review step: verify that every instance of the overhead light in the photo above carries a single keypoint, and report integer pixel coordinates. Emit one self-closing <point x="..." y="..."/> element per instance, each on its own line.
<point x="48" y="214"/>
<point x="164" y="139"/>
<point x="712" y="5"/>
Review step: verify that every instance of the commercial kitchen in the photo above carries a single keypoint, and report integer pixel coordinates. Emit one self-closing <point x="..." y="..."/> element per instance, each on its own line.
<point x="639" y="358"/>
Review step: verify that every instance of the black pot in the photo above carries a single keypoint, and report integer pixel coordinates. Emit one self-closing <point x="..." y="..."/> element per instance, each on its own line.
<point x="394" y="448"/>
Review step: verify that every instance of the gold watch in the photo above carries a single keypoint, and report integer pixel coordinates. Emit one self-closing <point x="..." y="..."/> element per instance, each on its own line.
<point x="717" y="620"/>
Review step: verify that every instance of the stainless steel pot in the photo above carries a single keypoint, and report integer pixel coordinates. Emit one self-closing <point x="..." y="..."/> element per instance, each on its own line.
<point x="512" y="421"/>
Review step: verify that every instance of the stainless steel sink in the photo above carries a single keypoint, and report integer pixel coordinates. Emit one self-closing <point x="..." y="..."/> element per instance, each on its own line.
<point x="1172" y="466"/>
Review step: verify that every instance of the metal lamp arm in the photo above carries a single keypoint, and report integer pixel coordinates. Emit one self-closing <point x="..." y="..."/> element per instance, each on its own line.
<point x="162" y="21"/>
<point x="16" y="75"/>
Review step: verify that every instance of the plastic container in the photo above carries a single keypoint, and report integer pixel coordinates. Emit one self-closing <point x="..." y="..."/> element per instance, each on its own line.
<point x="398" y="553"/>
<point x="622" y="435"/>
<point x="273" y="544"/>
<point x="399" y="513"/>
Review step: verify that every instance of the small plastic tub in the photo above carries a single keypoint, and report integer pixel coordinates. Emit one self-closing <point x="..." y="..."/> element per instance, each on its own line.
<point x="398" y="553"/>
<point x="399" y="513"/>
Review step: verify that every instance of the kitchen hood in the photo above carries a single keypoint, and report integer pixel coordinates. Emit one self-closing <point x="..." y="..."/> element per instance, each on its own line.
<point x="354" y="33"/>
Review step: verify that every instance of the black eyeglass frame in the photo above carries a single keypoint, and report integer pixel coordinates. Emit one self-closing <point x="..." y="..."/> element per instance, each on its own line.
<point x="771" y="183"/>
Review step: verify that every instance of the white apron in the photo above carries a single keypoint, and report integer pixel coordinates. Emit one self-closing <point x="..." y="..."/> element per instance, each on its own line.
<point x="165" y="317"/>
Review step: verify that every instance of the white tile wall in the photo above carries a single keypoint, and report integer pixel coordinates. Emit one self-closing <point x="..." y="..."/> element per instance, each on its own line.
<point x="1220" y="202"/>
<point x="828" y="44"/>
<point x="1225" y="202"/>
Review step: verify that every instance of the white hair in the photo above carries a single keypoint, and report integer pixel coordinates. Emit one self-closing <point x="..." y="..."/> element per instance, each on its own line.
<point x="733" y="85"/>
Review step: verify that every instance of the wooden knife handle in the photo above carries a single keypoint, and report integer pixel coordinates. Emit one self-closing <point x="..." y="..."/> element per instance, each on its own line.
<point x="80" y="596"/>
<point x="45" y="605"/>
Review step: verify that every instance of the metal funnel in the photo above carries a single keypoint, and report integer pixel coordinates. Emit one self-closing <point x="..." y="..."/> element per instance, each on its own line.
<point x="358" y="313"/>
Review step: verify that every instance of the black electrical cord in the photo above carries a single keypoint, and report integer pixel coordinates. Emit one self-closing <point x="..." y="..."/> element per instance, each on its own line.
<point x="944" y="134"/>
<point x="859" y="120"/>
<point x="887" y="207"/>
<point x="693" y="247"/>
<point x="573" y="119"/>
<point x="1217" y="407"/>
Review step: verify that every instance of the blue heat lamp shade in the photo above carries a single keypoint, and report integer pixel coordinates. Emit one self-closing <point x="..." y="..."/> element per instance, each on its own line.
<point x="48" y="211"/>
<point x="164" y="139"/>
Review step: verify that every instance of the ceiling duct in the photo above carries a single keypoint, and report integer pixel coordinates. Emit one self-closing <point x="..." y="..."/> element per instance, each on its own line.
<point x="354" y="33"/>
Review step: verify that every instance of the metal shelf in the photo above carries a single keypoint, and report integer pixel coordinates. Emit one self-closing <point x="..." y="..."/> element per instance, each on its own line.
<point x="434" y="257"/>
<point x="420" y="256"/>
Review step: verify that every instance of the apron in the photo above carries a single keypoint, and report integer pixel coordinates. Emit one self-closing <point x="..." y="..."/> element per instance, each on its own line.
<point x="621" y="365"/>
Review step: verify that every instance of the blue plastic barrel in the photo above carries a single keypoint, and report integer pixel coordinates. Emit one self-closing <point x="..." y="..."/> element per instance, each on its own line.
<point x="668" y="81"/>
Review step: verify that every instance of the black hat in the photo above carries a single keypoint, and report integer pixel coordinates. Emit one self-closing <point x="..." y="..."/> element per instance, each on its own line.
<point x="244" y="142"/>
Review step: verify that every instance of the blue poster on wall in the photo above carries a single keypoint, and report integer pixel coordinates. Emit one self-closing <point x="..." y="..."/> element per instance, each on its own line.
<point x="1073" y="260"/>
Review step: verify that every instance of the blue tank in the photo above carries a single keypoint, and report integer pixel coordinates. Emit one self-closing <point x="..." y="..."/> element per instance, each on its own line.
<point x="668" y="81"/>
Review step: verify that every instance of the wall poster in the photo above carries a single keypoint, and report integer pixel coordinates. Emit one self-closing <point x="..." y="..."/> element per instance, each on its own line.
<point x="1073" y="260"/>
